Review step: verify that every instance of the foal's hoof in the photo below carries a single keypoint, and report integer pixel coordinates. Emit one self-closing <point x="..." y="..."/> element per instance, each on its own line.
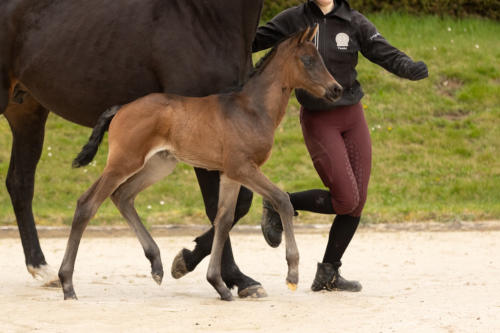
<point x="255" y="291"/>
<point x="158" y="277"/>
<point x="292" y="286"/>
<point x="70" y="296"/>
<point x="179" y="268"/>
<point x="52" y="284"/>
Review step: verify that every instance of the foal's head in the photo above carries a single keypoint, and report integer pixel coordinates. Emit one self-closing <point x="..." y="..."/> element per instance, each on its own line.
<point x="305" y="67"/>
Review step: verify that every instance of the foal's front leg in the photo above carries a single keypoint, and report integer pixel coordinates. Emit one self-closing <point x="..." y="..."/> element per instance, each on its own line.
<point x="255" y="180"/>
<point x="228" y="194"/>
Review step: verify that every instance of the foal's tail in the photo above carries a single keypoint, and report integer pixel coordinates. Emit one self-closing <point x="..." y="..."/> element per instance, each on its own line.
<point x="90" y="149"/>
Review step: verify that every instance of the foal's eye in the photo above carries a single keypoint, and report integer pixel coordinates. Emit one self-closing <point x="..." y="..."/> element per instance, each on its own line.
<point x="308" y="61"/>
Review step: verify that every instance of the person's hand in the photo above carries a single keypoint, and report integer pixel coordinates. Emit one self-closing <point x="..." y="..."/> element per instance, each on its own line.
<point x="418" y="71"/>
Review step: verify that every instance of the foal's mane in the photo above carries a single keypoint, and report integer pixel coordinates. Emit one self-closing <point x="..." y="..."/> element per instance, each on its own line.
<point x="264" y="61"/>
<point x="260" y="65"/>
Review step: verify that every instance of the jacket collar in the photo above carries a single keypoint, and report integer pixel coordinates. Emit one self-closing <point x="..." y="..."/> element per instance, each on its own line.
<point x="342" y="11"/>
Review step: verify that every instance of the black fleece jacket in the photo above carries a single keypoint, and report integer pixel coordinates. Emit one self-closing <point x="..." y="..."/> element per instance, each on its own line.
<point x="342" y="33"/>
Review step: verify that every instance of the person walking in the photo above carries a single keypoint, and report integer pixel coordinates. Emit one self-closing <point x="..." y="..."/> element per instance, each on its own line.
<point x="336" y="134"/>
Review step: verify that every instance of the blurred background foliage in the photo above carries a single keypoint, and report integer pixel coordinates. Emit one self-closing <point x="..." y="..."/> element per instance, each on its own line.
<point x="455" y="8"/>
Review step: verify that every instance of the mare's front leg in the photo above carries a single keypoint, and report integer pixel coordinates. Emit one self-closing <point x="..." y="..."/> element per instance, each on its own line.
<point x="223" y="221"/>
<point x="27" y="122"/>
<point x="254" y="179"/>
<point x="86" y="208"/>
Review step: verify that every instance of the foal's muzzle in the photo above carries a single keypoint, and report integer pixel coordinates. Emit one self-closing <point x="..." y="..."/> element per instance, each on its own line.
<point x="334" y="92"/>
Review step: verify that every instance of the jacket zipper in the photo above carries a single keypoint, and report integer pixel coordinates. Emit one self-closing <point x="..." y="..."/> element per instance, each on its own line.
<point x="323" y="47"/>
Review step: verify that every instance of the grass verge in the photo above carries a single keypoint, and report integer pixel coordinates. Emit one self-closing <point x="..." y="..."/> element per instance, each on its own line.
<point x="435" y="142"/>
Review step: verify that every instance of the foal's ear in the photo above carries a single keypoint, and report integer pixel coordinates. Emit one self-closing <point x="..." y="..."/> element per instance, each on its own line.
<point x="308" y="34"/>
<point x="305" y="34"/>
<point x="313" y="32"/>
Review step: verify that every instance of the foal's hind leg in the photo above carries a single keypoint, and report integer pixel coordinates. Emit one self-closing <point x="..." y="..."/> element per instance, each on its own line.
<point x="27" y="122"/>
<point x="86" y="208"/>
<point x="222" y="224"/>
<point x="158" y="167"/>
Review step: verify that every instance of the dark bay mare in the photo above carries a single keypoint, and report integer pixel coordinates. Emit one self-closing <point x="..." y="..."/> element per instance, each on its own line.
<point x="77" y="58"/>
<point x="232" y="133"/>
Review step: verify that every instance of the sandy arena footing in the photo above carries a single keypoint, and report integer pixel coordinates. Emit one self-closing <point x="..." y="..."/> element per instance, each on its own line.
<point x="417" y="281"/>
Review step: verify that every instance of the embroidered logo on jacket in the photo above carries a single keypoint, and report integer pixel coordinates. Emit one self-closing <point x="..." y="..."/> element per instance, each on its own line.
<point x="342" y="40"/>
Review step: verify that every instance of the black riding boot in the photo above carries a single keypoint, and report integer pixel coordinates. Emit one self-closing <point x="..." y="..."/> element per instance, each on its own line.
<point x="316" y="201"/>
<point x="328" y="275"/>
<point x="271" y="226"/>
<point x="328" y="278"/>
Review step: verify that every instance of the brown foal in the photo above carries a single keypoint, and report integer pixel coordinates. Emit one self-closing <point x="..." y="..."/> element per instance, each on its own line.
<point x="232" y="133"/>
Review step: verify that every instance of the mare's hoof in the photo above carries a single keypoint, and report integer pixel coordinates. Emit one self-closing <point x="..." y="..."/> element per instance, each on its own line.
<point x="46" y="274"/>
<point x="179" y="268"/>
<point x="158" y="277"/>
<point x="255" y="291"/>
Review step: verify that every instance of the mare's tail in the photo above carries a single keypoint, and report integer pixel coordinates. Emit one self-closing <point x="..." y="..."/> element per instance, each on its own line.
<point x="90" y="149"/>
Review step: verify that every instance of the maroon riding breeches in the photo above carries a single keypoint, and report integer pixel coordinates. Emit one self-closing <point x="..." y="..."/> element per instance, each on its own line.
<point x="339" y="143"/>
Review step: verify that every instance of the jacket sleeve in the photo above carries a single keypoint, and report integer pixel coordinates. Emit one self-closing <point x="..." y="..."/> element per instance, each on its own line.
<point x="282" y="26"/>
<point x="378" y="50"/>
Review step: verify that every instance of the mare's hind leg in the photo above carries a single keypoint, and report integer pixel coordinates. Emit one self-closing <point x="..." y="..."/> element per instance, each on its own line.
<point x="4" y="91"/>
<point x="27" y="122"/>
<point x="223" y="221"/>
<point x="186" y="260"/>
<point x="86" y="208"/>
<point x="158" y="167"/>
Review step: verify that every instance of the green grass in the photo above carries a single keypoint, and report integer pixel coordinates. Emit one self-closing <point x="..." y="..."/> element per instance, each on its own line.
<point x="436" y="143"/>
